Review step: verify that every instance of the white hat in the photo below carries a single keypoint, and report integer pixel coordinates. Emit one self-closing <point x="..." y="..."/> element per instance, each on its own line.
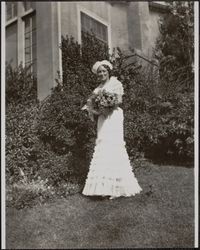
<point x="99" y="63"/>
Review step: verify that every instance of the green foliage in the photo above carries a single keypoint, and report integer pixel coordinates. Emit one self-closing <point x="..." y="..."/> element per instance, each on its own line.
<point x="175" y="46"/>
<point x="175" y="55"/>
<point x="62" y="124"/>
<point x="28" y="193"/>
<point x="21" y="141"/>
<point x="159" y="114"/>
<point x="21" y="85"/>
<point x="26" y="154"/>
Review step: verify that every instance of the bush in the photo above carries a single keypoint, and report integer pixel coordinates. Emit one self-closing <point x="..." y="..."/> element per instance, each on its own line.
<point x="26" y="154"/>
<point x="21" y="85"/>
<point x="63" y="126"/>
<point x="29" y="193"/>
<point x="21" y="116"/>
<point x="154" y="107"/>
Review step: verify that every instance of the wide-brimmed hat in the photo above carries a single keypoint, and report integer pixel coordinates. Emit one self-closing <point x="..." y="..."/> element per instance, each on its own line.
<point x="99" y="63"/>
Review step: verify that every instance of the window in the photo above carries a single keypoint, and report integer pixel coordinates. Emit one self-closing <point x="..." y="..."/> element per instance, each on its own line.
<point x="11" y="10"/>
<point x="160" y="2"/>
<point x="11" y="44"/>
<point x="30" y="46"/>
<point x="161" y="6"/>
<point x="90" y="25"/>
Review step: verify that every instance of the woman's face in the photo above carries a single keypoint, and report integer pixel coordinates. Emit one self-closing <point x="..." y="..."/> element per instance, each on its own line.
<point x="102" y="74"/>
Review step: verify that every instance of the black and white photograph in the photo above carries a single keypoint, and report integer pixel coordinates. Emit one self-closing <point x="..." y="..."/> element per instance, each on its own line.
<point x="99" y="124"/>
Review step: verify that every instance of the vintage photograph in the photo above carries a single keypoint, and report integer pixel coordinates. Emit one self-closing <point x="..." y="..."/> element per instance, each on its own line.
<point x="100" y="124"/>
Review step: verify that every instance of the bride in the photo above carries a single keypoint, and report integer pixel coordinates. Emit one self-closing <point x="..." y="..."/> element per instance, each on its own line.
<point x="110" y="173"/>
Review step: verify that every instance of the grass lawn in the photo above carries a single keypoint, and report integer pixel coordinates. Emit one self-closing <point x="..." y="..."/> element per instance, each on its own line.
<point x="161" y="216"/>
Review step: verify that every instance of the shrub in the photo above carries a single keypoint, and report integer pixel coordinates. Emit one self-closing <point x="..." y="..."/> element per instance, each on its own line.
<point x="21" y="85"/>
<point x="26" y="154"/>
<point x="154" y="107"/>
<point x="28" y="193"/>
<point x="63" y="126"/>
<point x="175" y="45"/>
<point x="21" y="116"/>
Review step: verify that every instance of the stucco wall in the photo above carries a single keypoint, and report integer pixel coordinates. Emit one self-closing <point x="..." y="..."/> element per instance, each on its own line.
<point x="98" y="8"/>
<point x="69" y="19"/>
<point x="149" y="27"/>
<point x="48" y="47"/>
<point x="134" y="28"/>
<point x="119" y="26"/>
<point x="154" y="27"/>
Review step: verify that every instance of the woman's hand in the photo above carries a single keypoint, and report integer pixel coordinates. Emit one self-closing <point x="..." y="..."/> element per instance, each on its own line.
<point x="95" y="112"/>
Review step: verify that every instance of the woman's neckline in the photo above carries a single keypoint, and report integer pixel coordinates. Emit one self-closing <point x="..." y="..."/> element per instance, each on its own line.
<point x="105" y="84"/>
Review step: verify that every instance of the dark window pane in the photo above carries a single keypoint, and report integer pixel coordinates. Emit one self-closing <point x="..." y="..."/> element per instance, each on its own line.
<point x="27" y="40"/>
<point x="30" y="43"/>
<point x="28" y="54"/>
<point x="89" y="24"/>
<point x="27" y="25"/>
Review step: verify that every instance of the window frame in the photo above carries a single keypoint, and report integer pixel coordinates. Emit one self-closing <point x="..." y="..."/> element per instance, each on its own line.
<point x="95" y="17"/>
<point x="160" y="6"/>
<point x="86" y="29"/>
<point x="29" y="14"/>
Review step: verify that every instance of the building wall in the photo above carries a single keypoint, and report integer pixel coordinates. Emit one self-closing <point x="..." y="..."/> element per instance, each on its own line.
<point x="119" y="26"/>
<point x="143" y="27"/>
<point x="134" y="27"/>
<point x="48" y="47"/>
<point x="69" y="19"/>
<point x="130" y="25"/>
<point x="154" y="27"/>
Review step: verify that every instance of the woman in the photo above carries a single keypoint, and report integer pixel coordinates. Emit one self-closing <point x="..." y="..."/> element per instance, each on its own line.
<point x="110" y="173"/>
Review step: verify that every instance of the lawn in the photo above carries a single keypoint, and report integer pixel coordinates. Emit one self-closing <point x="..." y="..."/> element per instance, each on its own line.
<point x="161" y="216"/>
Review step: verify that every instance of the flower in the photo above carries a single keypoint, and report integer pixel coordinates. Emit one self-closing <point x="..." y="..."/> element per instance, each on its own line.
<point x="105" y="102"/>
<point x="102" y="103"/>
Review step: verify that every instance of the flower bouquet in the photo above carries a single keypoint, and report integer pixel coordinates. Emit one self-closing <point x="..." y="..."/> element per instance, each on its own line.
<point x="104" y="102"/>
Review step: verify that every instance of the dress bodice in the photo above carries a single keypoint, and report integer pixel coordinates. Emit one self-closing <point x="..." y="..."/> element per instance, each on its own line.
<point x="112" y="86"/>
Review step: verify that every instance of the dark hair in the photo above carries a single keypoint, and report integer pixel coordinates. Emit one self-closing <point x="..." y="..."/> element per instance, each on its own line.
<point x="108" y="69"/>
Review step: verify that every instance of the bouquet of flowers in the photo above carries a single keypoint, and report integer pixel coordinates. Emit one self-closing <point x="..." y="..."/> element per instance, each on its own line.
<point x="104" y="102"/>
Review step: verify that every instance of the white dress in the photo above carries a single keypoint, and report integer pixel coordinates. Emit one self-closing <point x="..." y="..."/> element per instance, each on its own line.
<point x="110" y="172"/>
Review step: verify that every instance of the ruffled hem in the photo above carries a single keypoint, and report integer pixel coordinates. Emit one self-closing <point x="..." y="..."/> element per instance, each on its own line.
<point x="115" y="187"/>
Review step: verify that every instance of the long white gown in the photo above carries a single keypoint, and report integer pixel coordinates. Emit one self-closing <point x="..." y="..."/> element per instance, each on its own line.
<point x="110" y="172"/>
